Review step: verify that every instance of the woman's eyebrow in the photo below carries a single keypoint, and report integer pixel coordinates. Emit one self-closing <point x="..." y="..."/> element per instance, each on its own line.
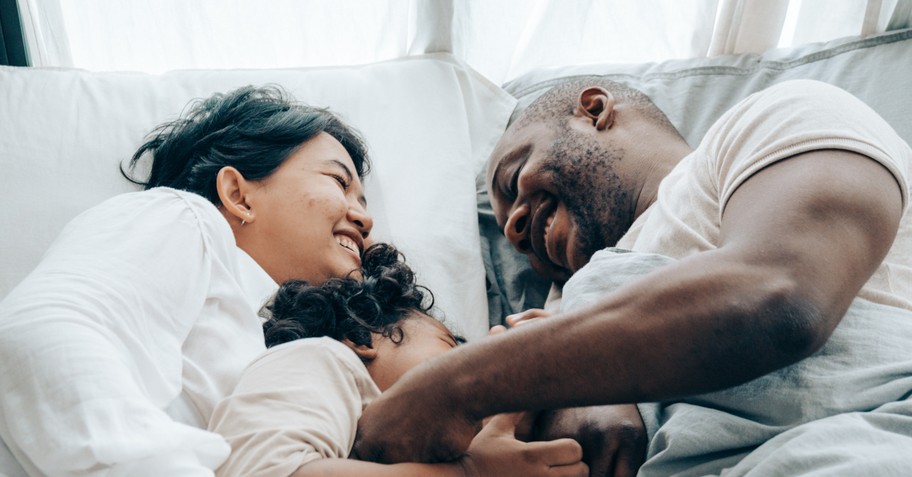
<point x="344" y="167"/>
<point x="350" y="177"/>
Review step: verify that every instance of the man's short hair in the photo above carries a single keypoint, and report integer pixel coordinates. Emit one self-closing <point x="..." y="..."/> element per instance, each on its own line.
<point x="559" y="102"/>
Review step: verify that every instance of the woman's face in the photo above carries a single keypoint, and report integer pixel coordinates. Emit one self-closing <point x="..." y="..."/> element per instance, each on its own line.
<point x="309" y="218"/>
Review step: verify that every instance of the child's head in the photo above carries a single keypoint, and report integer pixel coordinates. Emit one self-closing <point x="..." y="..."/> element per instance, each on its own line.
<point x="383" y="317"/>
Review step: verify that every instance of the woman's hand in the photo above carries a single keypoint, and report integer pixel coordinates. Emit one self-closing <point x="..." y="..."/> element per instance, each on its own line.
<point x="613" y="437"/>
<point x="495" y="451"/>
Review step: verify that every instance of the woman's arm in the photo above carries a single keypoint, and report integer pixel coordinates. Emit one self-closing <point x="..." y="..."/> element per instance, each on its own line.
<point x="90" y="346"/>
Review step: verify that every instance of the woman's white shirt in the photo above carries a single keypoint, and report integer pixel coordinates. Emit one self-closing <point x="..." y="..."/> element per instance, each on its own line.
<point x="116" y="348"/>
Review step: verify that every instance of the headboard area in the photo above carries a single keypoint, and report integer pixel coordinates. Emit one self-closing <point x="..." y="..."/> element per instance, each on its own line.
<point x="430" y="122"/>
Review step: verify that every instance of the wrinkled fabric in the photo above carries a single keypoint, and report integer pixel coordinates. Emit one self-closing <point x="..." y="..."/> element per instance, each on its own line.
<point x="112" y="351"/>
<point x="846" y="410"/>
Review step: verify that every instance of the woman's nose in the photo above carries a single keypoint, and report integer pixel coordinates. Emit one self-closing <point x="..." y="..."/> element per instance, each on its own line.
<point x="516" y="229"/>
<point x="359" y="216"/>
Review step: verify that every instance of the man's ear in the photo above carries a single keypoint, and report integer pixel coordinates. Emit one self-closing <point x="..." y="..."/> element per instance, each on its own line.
<point x="233" y="190"/>
<point x="597" y="104"/>
<point x="364" y="351"/>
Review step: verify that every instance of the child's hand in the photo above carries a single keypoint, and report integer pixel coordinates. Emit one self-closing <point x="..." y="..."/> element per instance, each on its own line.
<point x="496" y="452"/>
<point x="527" y="316"/>
<point x="496" y="330"/>
<point x="520" y="318"/>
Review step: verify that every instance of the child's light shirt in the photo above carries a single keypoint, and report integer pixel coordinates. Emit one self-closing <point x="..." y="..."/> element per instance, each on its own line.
<point x="296" y="403"/>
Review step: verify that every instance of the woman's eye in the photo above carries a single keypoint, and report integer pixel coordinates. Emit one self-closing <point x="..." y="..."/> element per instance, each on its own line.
<point x="341" y="182"/>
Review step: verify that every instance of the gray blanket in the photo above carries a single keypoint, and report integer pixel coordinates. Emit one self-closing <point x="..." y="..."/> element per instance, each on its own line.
<point x="846" y="410"/>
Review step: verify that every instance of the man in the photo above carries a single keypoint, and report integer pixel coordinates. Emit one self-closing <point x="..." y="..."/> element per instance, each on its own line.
<point x="791" y="214"/>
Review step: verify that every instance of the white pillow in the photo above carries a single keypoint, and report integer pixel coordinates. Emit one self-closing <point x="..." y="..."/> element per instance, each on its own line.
<point x="430" y="123"/>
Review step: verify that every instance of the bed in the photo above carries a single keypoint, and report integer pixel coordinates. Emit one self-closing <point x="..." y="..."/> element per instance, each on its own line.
<point x="430" y="122"/>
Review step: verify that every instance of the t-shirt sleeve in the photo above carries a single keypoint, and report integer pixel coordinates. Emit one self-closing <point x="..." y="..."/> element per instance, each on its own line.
<point x="297" y="403"/>
<point x="90" y="344"/>
<point x="794" y="117"/>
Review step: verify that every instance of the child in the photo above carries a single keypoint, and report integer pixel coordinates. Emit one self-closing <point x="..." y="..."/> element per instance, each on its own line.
<point x="333" y="349"/>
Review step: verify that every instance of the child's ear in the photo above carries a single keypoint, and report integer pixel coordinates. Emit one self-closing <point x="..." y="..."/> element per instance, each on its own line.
<point x="364" y="351"/>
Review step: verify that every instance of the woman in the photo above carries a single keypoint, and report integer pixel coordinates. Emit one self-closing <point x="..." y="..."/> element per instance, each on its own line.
<point x="142" y="314"/>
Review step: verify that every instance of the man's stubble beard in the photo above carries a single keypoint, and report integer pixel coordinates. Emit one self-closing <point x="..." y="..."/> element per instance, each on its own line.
<point x="584" y="173"/>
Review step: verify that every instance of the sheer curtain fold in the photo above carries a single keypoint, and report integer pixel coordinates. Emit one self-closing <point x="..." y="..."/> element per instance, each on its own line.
<point x="748" y="26"/>
<point x="47" y="40"/>
<point x="501" y="39"/>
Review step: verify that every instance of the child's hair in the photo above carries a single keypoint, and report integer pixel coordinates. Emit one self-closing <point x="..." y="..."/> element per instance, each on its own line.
<point x="347" y="307"/>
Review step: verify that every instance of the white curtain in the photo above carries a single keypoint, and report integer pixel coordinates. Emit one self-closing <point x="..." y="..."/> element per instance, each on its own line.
<point x="502" y="39"/>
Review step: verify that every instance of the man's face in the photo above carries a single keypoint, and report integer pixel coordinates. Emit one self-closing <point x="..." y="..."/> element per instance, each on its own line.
<point x="557" y="195"/>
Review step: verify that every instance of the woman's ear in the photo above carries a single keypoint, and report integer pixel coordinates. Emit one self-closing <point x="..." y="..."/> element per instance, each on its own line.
<point x="233" y="192"/>
<point x="367" y="352"/>
<point x="597" y="104"/>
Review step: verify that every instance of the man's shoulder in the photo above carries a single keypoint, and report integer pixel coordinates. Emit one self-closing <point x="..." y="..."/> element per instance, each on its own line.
<point x="803" y="87"/>
<point x="796" y="98"/>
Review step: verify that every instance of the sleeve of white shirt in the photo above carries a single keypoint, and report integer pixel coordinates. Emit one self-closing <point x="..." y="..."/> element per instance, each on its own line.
<point x="90" y="344"/>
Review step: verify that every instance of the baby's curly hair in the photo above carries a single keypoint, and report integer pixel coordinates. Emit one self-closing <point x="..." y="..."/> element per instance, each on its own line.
<point x="346" y="307"/>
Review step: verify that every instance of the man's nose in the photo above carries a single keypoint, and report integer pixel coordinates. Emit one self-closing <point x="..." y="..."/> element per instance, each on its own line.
<point x="516" y="229"/>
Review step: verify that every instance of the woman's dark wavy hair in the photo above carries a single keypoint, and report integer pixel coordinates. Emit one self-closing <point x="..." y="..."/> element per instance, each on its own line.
<point x="346" y="307"/>
<point x="253" y="129"/>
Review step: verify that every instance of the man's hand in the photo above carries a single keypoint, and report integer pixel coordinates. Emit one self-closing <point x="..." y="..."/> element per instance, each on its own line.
<point x="613" y="437"/>
<point x="406" y="425"/>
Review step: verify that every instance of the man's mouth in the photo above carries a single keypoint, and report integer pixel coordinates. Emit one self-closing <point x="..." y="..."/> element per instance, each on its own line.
<point x="546" y="242"/>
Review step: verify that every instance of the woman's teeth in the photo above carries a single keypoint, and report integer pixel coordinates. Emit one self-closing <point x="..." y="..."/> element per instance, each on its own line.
<point x="347" y="243"/>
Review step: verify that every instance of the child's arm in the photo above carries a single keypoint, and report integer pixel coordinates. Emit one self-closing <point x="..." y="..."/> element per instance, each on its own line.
<point x="494" y="452"/>
<point x="347" y="467"/>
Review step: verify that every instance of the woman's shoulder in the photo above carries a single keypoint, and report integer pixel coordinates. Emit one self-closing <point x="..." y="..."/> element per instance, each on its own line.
<point x="163" y="201"/>
<point x="163" y="212"/>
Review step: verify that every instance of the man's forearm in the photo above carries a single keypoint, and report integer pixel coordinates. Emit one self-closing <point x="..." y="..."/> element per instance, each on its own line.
<point x="697" y="325"/>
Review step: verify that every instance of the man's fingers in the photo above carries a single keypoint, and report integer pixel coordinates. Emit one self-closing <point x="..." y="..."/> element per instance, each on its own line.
<point x="578" y="469"/>
<point x="558" y="452"/>
<point x="628" y="460"/>
<point x="603" y="465"/>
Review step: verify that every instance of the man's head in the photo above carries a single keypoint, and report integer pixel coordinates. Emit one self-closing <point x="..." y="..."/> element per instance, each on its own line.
<point x="568" y="176"/>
